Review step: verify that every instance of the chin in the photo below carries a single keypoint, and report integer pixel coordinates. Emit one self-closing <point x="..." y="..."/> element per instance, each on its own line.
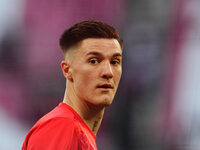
<point x="102" y="101"/>
<point x="105" y="101"/>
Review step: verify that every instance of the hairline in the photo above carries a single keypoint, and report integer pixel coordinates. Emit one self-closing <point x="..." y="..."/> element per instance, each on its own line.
<point x="75" y="47"/>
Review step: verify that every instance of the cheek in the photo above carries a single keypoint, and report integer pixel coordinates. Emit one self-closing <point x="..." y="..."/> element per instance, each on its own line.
<point x="118" y="73"/>
<point x="84" y="85"/>
<point x="84" y="79"/>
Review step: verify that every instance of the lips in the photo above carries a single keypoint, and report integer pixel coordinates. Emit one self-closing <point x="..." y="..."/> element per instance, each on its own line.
<point x="105" y="86"/>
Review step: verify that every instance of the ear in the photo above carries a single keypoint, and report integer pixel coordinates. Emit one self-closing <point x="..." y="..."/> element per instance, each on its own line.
<point x="66" y="70"/>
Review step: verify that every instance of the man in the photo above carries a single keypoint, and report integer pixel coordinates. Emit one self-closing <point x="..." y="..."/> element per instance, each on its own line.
<point x="92" y="68"/>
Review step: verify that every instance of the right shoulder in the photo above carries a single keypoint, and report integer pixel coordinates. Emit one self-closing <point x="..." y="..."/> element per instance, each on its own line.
<point x="56" y="123"/>
<point x="55" y="130"/>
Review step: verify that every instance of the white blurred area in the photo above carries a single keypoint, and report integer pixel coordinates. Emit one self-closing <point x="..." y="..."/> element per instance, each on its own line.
<point x="11" y="14"/>
<point x="186" y="100"/>
<point x="12" y="131"/>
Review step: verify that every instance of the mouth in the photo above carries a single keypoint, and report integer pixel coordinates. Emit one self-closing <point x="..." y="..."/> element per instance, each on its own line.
<point x="105" y="86"/>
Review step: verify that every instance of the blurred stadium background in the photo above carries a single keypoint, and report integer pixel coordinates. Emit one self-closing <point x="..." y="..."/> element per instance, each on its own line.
<point x="157" y="106"/>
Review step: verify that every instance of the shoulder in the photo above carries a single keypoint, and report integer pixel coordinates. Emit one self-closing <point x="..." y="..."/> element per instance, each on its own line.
<point x="57" y="127"/>
<point x="58" y="120"/>
<point x="57" y="131"/>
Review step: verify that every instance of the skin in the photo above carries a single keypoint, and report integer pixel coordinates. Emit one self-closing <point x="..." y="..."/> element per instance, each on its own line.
<point x="88" y="67"/>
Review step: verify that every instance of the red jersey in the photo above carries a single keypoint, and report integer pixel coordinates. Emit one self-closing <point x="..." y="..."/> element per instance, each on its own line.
<point x="60" y="129"/>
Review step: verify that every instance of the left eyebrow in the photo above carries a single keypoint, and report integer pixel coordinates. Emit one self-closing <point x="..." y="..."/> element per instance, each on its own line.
<point x="117" y="55"/>
<point x="100" y="55"/>
<point x="94" y="53"/>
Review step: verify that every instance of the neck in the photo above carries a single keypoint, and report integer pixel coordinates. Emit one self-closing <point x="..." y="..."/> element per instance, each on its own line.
<point x="92" y="115"/>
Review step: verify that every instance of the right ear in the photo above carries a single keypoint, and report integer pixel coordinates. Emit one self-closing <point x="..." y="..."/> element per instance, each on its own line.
<point x="66" y="70"/>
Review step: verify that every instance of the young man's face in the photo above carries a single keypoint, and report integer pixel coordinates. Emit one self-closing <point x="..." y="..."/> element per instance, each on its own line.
<point x="96" y="70"/>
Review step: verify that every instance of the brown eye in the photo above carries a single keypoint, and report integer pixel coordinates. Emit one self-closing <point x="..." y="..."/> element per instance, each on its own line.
<point x="115" y="62"/>
<point x="93" y="61"/>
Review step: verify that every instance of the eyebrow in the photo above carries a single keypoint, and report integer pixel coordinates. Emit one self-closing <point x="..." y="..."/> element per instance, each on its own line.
<point x="99" y="54"/>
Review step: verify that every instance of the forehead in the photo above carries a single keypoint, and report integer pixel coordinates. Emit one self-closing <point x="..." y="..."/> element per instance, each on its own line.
<point x="100" y="45"/>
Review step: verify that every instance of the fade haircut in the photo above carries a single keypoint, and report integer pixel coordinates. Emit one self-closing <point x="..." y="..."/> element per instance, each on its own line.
<point x="87" y="29"/>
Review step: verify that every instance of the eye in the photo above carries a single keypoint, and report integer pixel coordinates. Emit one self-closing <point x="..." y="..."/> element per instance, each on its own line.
<point x="115" y="62"/>
<point x="93" y="61"/>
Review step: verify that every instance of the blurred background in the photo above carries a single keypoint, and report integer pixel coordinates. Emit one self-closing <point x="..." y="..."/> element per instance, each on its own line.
<point x="157" y="106"/>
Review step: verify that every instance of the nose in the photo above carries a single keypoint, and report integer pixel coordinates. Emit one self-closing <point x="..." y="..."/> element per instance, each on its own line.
<point x="106" y="71"/>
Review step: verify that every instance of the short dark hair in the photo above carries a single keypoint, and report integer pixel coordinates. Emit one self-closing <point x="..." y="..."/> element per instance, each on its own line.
<point x="87" y="29"/>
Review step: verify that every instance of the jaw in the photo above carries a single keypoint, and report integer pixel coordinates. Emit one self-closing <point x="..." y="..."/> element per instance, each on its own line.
<point x="103" y="99"/>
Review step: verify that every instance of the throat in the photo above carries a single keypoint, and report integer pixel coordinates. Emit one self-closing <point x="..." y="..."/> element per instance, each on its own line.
<point x="94" y="121"/>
